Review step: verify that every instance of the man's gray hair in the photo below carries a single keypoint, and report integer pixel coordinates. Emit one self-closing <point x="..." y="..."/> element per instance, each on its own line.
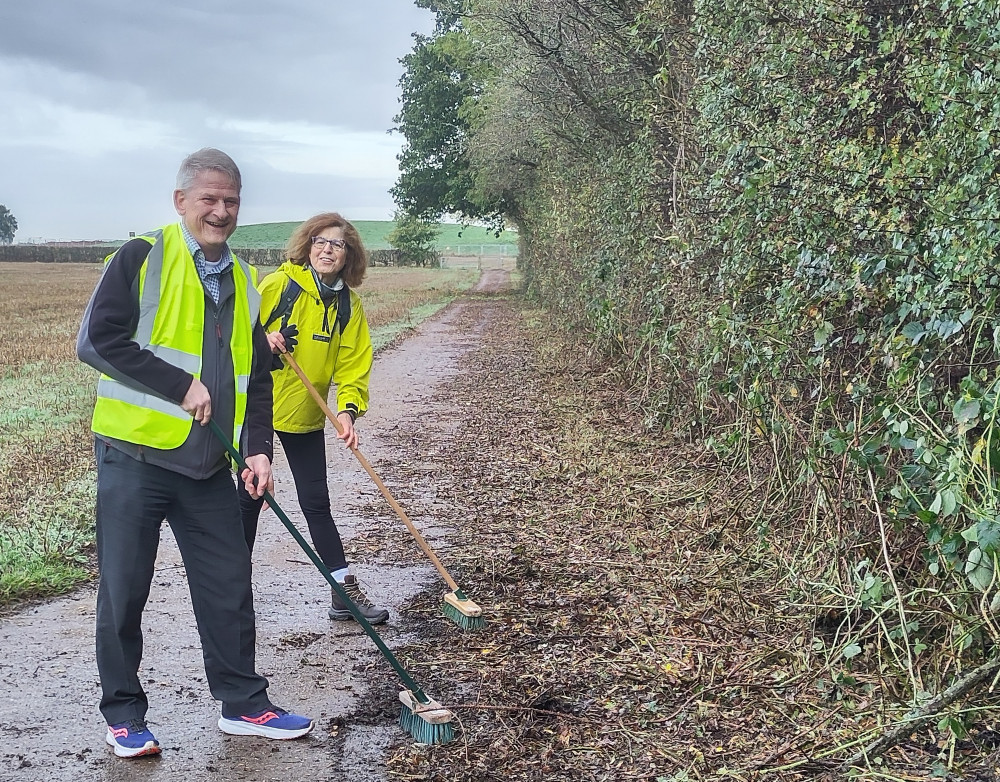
<point x="207" y="159"/>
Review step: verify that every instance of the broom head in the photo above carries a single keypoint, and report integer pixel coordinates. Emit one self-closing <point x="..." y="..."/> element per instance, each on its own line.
<point x="462" y="611"/>
<point x="428" y="723"/>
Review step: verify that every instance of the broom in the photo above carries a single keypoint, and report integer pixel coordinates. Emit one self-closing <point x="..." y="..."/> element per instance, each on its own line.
<point x="457" y="607"/>
<point x="422" y="717"/>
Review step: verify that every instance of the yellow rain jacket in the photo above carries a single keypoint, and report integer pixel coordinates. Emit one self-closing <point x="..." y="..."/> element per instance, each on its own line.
<point x="324" y="354"/>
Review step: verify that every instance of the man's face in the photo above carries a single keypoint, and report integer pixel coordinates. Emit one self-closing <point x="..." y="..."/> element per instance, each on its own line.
<point x="209" y="209"/>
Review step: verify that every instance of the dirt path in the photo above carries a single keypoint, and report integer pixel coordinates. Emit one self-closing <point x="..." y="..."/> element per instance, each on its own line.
<point x="50" y="728"/>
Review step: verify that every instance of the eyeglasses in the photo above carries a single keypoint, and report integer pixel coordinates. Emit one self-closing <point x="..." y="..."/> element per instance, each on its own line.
<point x="322" y="242"/>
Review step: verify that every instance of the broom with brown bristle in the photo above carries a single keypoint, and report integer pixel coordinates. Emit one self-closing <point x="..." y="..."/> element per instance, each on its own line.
<point x="422" y="717"/>
<point x="457" y="607"/>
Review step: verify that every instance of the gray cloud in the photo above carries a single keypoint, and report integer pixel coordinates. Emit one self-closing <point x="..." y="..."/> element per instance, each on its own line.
<point x="102" y="98"/>
<point x="328" y="62"/>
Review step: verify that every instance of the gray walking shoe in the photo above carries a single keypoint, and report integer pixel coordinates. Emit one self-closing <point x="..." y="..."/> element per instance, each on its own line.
<point x="370" y="611"/>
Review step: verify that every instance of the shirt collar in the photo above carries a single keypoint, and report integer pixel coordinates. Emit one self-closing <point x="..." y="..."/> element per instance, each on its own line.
<point x="199" y="255"/>
<point x="323" y="286"/>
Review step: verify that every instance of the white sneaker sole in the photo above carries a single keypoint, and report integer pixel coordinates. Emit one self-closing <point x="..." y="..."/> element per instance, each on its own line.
<point x="241" y="728"/>
<point x="149" y="748"/>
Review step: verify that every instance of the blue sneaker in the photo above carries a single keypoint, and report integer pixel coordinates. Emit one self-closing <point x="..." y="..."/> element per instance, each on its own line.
<point x="132" y="739"/>
<point x="274" y="723"/>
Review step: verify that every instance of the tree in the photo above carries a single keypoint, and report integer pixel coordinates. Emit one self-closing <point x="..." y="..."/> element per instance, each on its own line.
<point x="8" y="225"/>
<point x="414" y="238"/>
<point x="434" y="174"/>
<point x="442" y="80"/>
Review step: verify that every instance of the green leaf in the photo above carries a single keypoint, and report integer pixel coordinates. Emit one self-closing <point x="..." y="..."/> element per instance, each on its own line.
<point x="948" y="502"/>
<point x="914" y="332"/>
<point x="944" y="503"/>
<point x="979" y="569"/>
<point x="822" y="334"/>
<point x="966" y="411"/>
<point x="988" y="535"/>
<point x="851" y="650"/>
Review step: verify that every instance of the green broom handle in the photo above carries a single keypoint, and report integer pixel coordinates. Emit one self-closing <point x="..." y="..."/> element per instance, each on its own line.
<point x="241" y="462"/>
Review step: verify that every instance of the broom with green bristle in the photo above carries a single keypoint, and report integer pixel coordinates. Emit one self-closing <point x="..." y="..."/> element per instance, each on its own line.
<point x="457" y="607"/>
<point x="422" y="717"/>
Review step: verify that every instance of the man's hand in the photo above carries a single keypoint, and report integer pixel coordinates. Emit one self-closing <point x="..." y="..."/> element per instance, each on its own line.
<point x="348" y="433"/>
<point x="197" y="402"/>
<point x="258" y="477"/>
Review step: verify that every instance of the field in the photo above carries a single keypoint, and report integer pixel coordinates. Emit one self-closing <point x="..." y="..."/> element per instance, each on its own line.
<point x="46" y="397"/>
<point x="373" y="234"/>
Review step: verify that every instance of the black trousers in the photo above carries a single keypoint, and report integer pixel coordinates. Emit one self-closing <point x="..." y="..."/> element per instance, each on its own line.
<point x="133" y="499"/>
<point x="306" y="455"/>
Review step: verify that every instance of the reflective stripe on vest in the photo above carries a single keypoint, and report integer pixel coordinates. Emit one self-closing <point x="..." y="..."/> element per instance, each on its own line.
<point x="171" y="325"/>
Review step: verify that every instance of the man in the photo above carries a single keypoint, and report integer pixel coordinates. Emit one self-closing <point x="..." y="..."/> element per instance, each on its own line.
<point x="173" y="327"/>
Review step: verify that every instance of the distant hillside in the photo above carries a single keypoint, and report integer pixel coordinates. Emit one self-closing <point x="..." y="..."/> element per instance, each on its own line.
<point x="373" y="233"/>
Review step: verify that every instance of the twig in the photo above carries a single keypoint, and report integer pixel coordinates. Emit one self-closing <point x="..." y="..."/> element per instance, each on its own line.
<point x="790" y="744"/>
<point x="914" y="680"/>
<point x="526" y="709"/>
<point x="917" y="719"/>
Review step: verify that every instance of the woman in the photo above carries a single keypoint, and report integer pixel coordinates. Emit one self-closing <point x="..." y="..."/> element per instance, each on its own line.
<point x="309" y="303"/>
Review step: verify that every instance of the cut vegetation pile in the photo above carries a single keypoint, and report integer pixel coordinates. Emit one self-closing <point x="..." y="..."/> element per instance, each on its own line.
<point x="641" y="624"/>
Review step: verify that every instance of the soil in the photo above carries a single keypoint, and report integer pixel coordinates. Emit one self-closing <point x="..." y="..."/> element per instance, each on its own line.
<point x="50" y="727"/>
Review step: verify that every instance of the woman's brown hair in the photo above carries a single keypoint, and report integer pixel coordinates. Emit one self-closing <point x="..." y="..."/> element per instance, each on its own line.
<point x="300" y="243"/>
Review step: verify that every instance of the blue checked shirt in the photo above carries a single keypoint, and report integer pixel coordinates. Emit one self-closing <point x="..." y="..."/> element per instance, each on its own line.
<point x="209" y="272"/>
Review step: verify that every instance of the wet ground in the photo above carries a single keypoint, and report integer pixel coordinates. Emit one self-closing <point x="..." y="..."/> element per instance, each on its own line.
<point x="50" y="727"/>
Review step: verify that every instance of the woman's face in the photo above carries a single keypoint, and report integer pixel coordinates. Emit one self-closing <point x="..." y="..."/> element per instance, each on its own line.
<point x="328" y="253"/>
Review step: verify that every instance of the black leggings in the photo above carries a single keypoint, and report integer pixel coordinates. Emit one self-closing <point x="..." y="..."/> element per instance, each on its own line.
<point x="306" y="455"/>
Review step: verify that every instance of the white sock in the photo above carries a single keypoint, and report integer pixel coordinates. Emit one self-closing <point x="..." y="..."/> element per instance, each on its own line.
<point x="341" y="574"/>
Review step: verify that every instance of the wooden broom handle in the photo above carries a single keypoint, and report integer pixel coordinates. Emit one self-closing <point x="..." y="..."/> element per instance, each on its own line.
<point x="371" y="471"/>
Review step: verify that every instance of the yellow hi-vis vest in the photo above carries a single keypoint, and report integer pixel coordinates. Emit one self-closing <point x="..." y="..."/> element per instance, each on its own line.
<point x="171" y="325"/>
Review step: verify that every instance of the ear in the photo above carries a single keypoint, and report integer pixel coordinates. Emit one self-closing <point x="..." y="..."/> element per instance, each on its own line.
<point x="179" y="202"/>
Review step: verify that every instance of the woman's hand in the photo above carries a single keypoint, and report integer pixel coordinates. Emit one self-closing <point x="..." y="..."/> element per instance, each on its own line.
<point x="347" y="431"/>
<point x="284" y="340"/>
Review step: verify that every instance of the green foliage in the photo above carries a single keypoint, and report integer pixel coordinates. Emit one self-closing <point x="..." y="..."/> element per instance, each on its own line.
<point x="852" y="178"/>
<point x="414" y="238"/>
<point x="441" y="84"/>
<point x="8" y="225"/>
<point x="783" y="220"/>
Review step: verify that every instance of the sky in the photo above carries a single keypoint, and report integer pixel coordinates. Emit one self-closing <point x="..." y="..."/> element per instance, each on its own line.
<point x="100" y="100"/>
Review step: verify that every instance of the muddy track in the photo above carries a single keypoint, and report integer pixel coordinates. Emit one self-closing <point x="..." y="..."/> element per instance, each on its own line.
<point x="50" y="727"/>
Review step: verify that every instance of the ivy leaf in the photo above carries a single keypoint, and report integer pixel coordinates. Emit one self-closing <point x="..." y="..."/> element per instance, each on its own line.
<point x="835" y="441"/>
<point x="914" y="332"/>
<point x="966" y="412"/>
<point x="988" y="535"/>
<point x="822" y="334"/>
<point x="851" y="650"/>
<point x="913" y="473"/>
<point x="979" y="569"/>
<point x="944" y="503"/>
